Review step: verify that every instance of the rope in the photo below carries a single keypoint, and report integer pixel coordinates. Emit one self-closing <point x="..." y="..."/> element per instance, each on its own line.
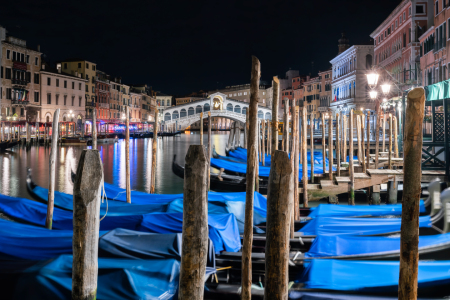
<point x="103" y="198"/>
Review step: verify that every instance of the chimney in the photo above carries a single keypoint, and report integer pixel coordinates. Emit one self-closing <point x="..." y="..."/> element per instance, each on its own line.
<point x="43" y="67"/>
<point x="76" y="73"/>
<point x="58" y="66"/>
<point x="39" y="48"/>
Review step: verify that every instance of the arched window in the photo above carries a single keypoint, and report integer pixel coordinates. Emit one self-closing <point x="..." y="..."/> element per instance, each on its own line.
<point x="206" y="107"/>
<point x="198" y="109"/>
<point x="244" y="110"/>
<point x="190" y="111"/>
<point x="237" y="109"/>
<point x="167" y="117"/>
<point x="230" y="107"/>
<point x="175" y="115"/>
<point x="183" y="113"/>
<point x="268" y="116"/>
<point x="48" y="119"/>
<point x="260" y="114"/>
<point x="368" y="61"/>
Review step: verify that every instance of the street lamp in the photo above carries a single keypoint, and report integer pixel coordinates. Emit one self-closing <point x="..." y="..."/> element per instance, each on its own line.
<point x="385" y="88"/>
<point x="372" y="79"/>
<point x="373" y="95"/>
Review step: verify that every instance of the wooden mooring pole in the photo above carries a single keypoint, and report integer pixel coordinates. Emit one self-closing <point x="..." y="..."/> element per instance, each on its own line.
<point x="363" y="150"/>
<point x="94" y="129"/>
<point x="201" y="129"/>
<point x="358" y="137"/>
<point x="276" y="100"/>
<point x="52" y="171"/>
<point x="209" y="150"/>
<point x="338" y="145"/>
<point x="384" y="132"/>
<point x="311" y="144"/>
<point x="344" y="138"/>
<point x="368" y="141"/>
<point x="351" y="198"/>
<point x="252" y="161"/>
<point x="304" y="157"/>
<point x="127" y="155"/>
<point x="390" y="143"/>
<point x="279" y="200"/>
<point x="412" y="170"/>
<point x="154" y="153"/>
<point x="296" y="165"/>
<point x="324" y="147"/>
<point x="195" y="225"/>
<point x="263" y="154"/>
<point x="330" y="146"/>
<point x="395" y="136"/>
<point x="377" y="134"/>
<point x="86" y="212"/>
<point x="286" y="127"/>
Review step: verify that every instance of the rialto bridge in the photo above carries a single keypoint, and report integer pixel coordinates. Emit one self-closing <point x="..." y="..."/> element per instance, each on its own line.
<point x="220" y="106"/>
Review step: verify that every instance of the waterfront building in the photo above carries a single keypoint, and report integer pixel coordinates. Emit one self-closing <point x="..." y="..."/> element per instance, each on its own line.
<point x="349" y="83"/>
<point x="286" y="89"/>
<point x="396" y="40"/>
<point x="325" y="91"/>
<point x="66" y="92"/>
<point x="135" y="105"/>
<point x="311" y="96"/>
<point x="102" y="96"/>
<point x="88" y="71"/>
<point x="115" y="100"/>
<point x="148" y="102"/>
<point x="20" y="80"/>
<point x="163" y="101"/>
<point x="434" y="64"/>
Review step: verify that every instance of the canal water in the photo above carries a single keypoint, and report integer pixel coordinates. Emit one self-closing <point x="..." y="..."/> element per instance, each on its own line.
<point x="14" y="164"/>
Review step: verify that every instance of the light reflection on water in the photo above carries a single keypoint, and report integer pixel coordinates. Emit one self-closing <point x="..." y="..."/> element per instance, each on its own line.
<point x="14" y="163"/>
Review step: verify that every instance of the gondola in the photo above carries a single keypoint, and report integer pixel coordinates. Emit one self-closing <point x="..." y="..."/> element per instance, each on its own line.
<point x="221" y="182"/>
<point x="8" y="144"/>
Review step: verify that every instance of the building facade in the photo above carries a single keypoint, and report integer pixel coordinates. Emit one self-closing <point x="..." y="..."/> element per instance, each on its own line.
<point x="349" y="83"/>
<point x="325" y="93"/>
<point x="242" y="93"/>
<point x="102" y="95"/>
<point x="396" y="40"/>
<point x="20" y="87"/>
<point x="88" y="71"/>
<point x="434" y="64"/>
<point x="163" y="101"/>
<point x="311" y="96"/>
<point x="63" y="91"/>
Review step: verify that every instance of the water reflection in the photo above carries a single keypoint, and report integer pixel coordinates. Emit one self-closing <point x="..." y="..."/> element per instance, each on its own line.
<point x="14" y="163"/>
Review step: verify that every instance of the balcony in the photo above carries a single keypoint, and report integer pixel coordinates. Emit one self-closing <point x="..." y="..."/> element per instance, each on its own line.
<point x="20" y="102"/>
<point x="19" y="81"/>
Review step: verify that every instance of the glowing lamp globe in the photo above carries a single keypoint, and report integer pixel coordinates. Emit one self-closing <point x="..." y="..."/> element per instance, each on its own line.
<point x="373" y="95"/>
<point x="372" y="79"/>
<point x="386" y="88"/>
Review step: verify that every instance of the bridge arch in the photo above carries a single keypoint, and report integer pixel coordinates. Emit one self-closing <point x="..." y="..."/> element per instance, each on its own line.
<point x="260" y="114"/>
<point x="206" y="107"/>
<point x="237" y="109"/>
<point x="198" y="109"/>
<point x="175" y="115"/>
<point x="167" y="117"/>
<point x="183" y="113"/>
<point x="230" y="107"/>
<point x="191" y="111"/>
<point x="268" y="116"/>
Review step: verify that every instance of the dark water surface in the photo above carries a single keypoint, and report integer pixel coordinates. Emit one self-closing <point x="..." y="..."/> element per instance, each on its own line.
<point x="14" y="164"/>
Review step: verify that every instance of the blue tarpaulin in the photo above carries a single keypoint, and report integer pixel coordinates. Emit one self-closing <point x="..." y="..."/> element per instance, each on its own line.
<point x="117" y="279"/>
<point x="356" y="226"/>
<point x="35" y="213"/>
<point x="240" y="154"/>
<point x="327" y="210"/>
<point x="263" y="171"/>
<point x="368" y="276"/>
<point x="346" y="245"/>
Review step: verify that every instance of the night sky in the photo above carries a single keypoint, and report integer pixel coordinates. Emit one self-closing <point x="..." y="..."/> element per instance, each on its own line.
<point x="179" y="47"/>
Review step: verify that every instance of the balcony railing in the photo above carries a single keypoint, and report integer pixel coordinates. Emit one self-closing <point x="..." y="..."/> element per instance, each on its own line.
<point x="19" y="81"/>
<point x="20" y="102"/>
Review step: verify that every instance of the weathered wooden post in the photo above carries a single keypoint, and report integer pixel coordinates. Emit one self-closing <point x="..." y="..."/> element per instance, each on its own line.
<point x="330" y="146"/>
<point x="286" y="128"/>
<point x="86" y="224"/>
<point x="269" y="137"/>
<point x="246" y="129"/>
<point x="279" y="200"/>
<point x="201" y="128"/>
<point x="412" y="170"/>
<point x="258" y="151"/>
<point x="311" y="140"/>
<point x="94" y="129"/>
<point x="154" y="153"/>
<point x="390" y="143"/>
<point x="368" y="141"/>
<point x="338" y="145"/>
<point x="351" y="198"/>
<point x="263" y="125"/>
<point x="231" y="136"/>
<point x="384" y="132"/>
<point x="363" y="150"/>
<point x="259" y="141"/>
<point x="195" y="225"/>
<point x="395" y="137"/>
<point x="209" y="149"/>
<point x="304" y="157"/>
<point x="250" y="178"/>
<point x="127" y="154"/>
<point x="344" y="131"/>
<point x="296" y="164"/>
<point x="358" y="137"/>
<point x="324" y="148"/>
<point x="2" y="134"/>
<point x="275" y="102"/>
<point x="52" y="170"/>
<point x="377" y="135"/>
